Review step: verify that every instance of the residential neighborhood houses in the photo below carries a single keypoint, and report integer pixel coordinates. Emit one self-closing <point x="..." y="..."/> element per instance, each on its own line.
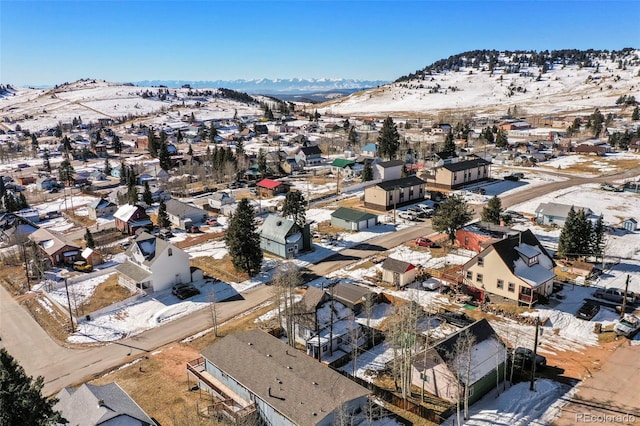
<point x="373" y="299"/>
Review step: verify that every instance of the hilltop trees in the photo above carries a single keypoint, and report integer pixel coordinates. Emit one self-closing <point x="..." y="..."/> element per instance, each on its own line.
<point x="21" y="399"/>
<point x="452" y="215"/>
<point x="388" y="139"/>
<point x="243" y="240"/>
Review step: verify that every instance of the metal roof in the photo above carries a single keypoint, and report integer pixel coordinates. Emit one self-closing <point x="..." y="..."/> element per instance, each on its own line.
<point x="352" y="215"/>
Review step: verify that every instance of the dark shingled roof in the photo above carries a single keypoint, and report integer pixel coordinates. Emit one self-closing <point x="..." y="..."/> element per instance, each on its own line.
<point x="437" y="354"/>
<point x="506" y="248"/>
<point x="404" y="182"/>
<point x="311" y="150"/>
<point x="395" y="265"/>
<point x="293" y="383"/>
<point x="391" y="163"/>
<point x="466" y="165"/>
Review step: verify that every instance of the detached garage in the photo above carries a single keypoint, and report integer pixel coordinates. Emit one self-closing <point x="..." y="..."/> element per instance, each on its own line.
<point x="353" y="220"/>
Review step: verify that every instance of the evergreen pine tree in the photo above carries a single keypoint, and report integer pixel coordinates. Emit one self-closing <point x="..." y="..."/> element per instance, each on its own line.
<point x="262" y="163"/>
<point x="243" y="241"/>
<point x="21" y="397"/>
<point x="492" y="212"/>
<point x="152" y="143"/>
<point x="65" y="172"/>
<point x="353" y="137"/>
<point x="449" y="144"/>
<point x="566" y="243"/>
<point x="452" y="215"/>
<point x="597" y="238"/>
<point x="635" y="116"/>
<point x="46" y="164"/>
<point x="164" y="157"/>
<point x="88" y="239"/>
<point x="117" y="145"/>
<point x="501" y="139"/>
<point x="583" y="234"/>
<point x="190" y="150"/>
<point x="163" y="217"/>
<point x="294" y="208"/>
<point x="388" y="139"/>
<point x="66" y="144"/>
<point x="146" y="195"/>
<point x="367" y="172"/>
<point x="22" y="201"/>
<point x="107" y="167"/>
<point x="179" y="136"/>
<point x="3" y="189"/>
<point x="34" y="143"/>
<point x="239" y="148"/>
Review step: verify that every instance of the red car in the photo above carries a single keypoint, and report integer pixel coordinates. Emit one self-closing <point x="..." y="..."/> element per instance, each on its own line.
<point x="424" y="242"/>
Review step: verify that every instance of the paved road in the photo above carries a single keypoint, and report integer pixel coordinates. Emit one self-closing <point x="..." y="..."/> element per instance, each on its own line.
<point x="61" y="366"/>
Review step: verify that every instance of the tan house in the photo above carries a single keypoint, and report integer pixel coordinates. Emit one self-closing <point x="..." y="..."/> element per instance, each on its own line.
<point x="461" y="173"/>
<point x="390" y="194"/>
<point x="516" y="269"/>
<point x="398" y="273"/>
<point x="55" y="247"/>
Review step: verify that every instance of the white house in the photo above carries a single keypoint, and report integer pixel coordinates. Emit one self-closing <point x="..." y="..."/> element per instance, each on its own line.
<point x="388" y="170"/>
<point x="183" y="215"/>
<point x="154" y="264"/>
<point x="219" y="199"/>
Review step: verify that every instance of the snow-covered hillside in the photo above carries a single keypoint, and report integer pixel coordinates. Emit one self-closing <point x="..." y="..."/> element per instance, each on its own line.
<point x="549" y="89"/>
<point x="40" y="109"/>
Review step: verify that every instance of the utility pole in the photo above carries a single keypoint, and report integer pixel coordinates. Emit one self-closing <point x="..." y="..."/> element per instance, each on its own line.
<point x="26" y="264"/>
<point x="535" y="355"/>
<point x="395" y="196"/>
<point x="624" y="299"/>
<point x="66" y="287"/>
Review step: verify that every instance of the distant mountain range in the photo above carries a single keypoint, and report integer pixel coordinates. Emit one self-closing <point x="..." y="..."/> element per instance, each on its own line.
<point x="278" y="86"/>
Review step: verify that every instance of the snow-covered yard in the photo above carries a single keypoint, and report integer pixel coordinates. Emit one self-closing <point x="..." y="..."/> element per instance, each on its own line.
<point x="518" y="406"/>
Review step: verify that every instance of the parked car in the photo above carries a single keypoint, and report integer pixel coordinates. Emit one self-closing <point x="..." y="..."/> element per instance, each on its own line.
<point x="193" y="229"/>
<point x="428" y="211"/>
<point x="588" y="310"/>
<point x="628" y="326"/>
<point x="431" y="284"/>
<point x="82" y="266"/>
<point x="178" y="287"/>
<point x="212" y="221"/>
<point x="186" y="292"/>
<point x="424" y="242"/>
<point x="512" y="177"/>
<point x="524" y="357"/>
<point x="479" y="190"/>
<point x="616" y="295"/>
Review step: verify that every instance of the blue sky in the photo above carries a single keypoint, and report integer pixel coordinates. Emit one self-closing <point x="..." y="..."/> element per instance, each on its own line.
<point x="50" y="42"/>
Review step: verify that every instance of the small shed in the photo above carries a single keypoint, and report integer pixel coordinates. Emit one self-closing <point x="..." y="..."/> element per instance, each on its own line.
<point x="397" y="272"/>
<point x="92" y="257"/>
<point x="352" y="219"/>
<point x="630" y="224"/>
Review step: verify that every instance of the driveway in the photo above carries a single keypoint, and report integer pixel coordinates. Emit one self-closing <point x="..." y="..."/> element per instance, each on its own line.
<point x="610" y="395"/>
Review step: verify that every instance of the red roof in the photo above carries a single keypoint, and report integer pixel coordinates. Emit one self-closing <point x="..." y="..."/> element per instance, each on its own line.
<point x="269" y="183"/>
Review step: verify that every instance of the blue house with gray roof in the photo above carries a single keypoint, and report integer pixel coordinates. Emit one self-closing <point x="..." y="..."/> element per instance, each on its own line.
<point x="282" y="237"/>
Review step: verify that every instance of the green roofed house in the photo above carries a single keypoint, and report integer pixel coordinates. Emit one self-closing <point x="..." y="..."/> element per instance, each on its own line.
<point x="352" y="219"/>
<point x="343" y="166"/>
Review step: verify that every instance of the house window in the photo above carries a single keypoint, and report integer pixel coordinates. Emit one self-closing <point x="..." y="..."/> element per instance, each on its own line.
<point x="466" y="241"/>
<point x="500" y="284"/>
<point x="324" y="348"/>
<point x="390" y="198"/>
<point x="469" y="275"/>
<point x="455" y="177"/>
<point x="424" y="377"/>
<point x="169" y="251"/>
<point x="480" y="261"/>
<point x="512" y="287"/>
<point x="479" y="278"/>
<point x="533" y="260"/>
